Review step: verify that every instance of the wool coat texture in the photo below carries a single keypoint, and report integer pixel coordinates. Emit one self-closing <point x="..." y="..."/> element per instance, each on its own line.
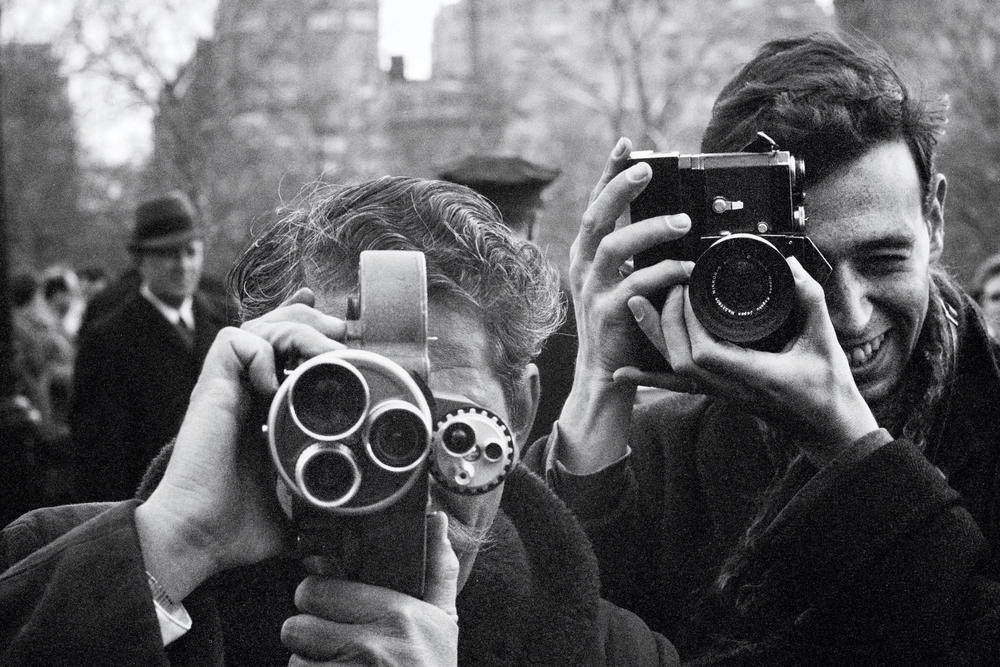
<point x="74" y="592"/>
<point x="888" y="559"/>
<point x="132" y="382"/>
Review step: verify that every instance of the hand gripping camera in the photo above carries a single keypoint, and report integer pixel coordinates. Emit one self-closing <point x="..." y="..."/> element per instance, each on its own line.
<point x="747" y="214"/>
<point x="355" y="436"/>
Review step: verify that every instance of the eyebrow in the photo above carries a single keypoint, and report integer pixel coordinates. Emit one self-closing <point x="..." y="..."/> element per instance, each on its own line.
<point x="893" y="242"/>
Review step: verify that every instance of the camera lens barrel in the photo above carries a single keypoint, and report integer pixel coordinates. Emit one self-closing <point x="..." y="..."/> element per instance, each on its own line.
<point x="329" y="400"/>
<point x="327" y="474"/>
<point x="742" y="289"/>
<point x="396" y="436"/>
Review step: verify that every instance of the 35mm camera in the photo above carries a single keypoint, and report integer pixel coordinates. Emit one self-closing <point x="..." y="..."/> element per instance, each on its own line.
<point x="748" y="214"/>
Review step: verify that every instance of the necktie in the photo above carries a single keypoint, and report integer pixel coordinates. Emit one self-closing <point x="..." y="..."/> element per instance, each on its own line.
<point x="186" y="332"/>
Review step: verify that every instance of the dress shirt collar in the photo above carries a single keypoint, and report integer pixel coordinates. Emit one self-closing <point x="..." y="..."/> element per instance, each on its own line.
<point x="184" y="312"/>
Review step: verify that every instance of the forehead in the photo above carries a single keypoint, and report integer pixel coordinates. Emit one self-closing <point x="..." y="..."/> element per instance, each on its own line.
<point x="876" y="199"/>
<point x="459" y="351"/>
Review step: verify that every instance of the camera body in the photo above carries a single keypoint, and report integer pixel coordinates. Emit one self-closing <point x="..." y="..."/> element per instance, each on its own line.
<point x="355" y="436"/>
<point x="747" y="215"/>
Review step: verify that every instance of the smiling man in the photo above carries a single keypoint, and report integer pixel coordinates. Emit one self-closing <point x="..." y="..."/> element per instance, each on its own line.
<point x="833" y="502"/>
<point x="200" y="571"/>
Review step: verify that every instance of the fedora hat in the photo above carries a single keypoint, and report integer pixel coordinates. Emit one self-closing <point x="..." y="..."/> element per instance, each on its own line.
<point x="163" y="223"/>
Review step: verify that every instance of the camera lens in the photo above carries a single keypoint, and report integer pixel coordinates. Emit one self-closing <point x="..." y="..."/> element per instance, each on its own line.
<point x="493" y="451"/>
<point x="328" y="400"/>
<point x="327" y="475"/>
<point x="742" y="289"/>
<point x="459" y="439"/>
<point x="742" y="286"/>
<point x="398" y="436"/>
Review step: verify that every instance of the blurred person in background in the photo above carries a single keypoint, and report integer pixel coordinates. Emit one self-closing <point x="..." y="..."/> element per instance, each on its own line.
<point x="62" y="292"/>
<point x="42" y="363"/>
<point x="43" y="353"/>
<point x="515" y="187"/>
<point x="93" y="281"/>
<point x="986" y="292"/>
<point x="138" y="362"/>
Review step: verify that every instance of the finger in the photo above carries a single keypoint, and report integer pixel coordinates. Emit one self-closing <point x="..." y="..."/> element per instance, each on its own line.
<point x="674" y="328"/>
<point x="346" y="601"/>
<point x="648" y="319"/>
<point x="303" y="295"/>
<point x="616" y="160"/>
<point x="614" y="249"/>
<point x="441" y="582"/>
<point x="812" y="303"/>
<point x="313" y="638"/>
<point x="294" y="339"/>
<point x="663" y="379"/>
<point x="600" y="217"/>
<point x="714" y="362"/>
<point x="301" y="313"/>
<point x="236" y="354"/>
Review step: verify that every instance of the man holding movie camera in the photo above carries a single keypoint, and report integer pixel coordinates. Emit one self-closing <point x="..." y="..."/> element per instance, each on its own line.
<point x="373" y="377"/>
<point x="821" y="490"/>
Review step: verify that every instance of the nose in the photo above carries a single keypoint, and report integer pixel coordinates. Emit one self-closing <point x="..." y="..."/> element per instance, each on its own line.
<point x="848" y="301"/>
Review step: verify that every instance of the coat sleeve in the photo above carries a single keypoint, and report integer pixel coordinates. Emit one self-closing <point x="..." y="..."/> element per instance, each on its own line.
<point x="874" y="564"/>
<point x="78" y="597"/>
<point x="623" y="511"/>
<point x="626" y="640"/>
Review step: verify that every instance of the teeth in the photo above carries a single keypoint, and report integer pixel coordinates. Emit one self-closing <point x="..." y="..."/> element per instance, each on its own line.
<point x="860" y="355"/>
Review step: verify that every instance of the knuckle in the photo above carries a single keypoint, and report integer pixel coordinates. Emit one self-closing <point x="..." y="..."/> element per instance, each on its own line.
<point x="589" y="222"/>
<point x="305" y="594"/>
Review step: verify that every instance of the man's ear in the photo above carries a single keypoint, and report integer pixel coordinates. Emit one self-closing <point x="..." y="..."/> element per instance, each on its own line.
<point x="525" y="404"/>
<point x="935" y="217"/>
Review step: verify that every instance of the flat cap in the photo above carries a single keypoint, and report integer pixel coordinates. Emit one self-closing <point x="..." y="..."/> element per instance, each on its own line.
<point x="497" y="171"/>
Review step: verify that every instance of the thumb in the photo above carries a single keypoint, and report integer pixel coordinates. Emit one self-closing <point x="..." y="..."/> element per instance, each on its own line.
<point x="441" y="585"/>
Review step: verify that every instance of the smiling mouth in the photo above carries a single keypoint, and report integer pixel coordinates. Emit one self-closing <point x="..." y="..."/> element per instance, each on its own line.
<point x="860" y="355"/>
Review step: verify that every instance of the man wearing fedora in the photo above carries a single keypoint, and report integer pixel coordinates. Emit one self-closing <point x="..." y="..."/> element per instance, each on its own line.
<point x="138" y="362"/>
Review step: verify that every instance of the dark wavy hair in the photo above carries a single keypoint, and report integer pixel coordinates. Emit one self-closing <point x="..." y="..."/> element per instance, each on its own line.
<point x="826" y="100"/>
<point x="472" y="259"/>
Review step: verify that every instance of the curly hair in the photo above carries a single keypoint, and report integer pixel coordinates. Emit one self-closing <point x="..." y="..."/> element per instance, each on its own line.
<point x="828" y="101"/>
<point x="472" y="259"/>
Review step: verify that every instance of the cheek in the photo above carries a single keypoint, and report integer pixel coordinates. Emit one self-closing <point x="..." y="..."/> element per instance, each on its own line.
<point x="904" y="303"/>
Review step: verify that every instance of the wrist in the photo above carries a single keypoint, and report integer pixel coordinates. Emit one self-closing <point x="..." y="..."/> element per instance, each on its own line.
<point x="843" y="435"/>
<point x="594" y="423"/>
<point x="175" y="555"/>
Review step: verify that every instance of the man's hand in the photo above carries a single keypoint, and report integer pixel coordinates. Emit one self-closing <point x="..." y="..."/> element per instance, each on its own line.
<point x="598" y="410"/>
<point x="346" y="622"/>
<point x="807" y="387"/>
<point x="216" y="507"/>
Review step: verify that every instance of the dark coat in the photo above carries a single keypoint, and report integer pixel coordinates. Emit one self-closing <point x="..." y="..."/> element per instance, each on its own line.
<point x="74" y="593"/>
<point x="132" y="381"/>
<point x="887" y="560"/>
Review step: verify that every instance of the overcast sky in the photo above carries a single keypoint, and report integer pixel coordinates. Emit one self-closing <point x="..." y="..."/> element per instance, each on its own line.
<point x="112" y="131"/>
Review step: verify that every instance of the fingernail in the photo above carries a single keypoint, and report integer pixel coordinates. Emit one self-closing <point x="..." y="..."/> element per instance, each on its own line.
<point x="679" y="222"/>
<point x="620" y="148"/>
<point x="637" y="312"/>
<point x="638" y="172"/>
